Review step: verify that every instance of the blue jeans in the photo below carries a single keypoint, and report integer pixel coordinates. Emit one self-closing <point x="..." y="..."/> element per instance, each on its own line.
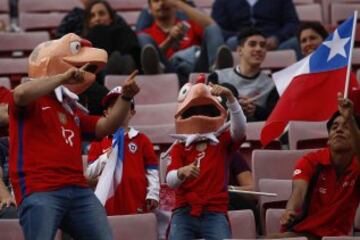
<point x="74" y="209"/>
<point x="210" y="225"/>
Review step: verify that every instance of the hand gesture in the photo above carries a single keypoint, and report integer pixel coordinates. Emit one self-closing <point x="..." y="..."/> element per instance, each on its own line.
<point x="151" y="204"/>
<point x="7" y="201"/>
<point x="130" y="88"/>
<point x="74" y="75"/>
<point x="189" y="171"/>
<point x="248" y="105"/>
<point x="346" y="107"/>
<point x="287" y="217"/>
<point x="218" y="91"/>
<point x="177" y="32"/>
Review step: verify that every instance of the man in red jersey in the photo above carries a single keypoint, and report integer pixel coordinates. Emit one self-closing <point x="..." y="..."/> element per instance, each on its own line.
<point x="326" y="190"/>
<point x="46" y="130"/>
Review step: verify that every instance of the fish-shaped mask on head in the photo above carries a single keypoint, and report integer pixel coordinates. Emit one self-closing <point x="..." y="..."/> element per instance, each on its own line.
<point x="57" y="56"/>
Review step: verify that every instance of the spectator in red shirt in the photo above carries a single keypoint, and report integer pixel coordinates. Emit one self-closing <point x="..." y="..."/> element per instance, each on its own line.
<point x="177" y="43"/>
<point x="326" y="190"/>
<point x="46" y="168"/>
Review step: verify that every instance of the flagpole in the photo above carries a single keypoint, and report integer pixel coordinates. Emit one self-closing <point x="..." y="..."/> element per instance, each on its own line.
<point x="348" y="71"/>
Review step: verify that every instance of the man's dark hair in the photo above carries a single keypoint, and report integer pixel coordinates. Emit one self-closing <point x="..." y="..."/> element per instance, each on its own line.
<point x="315" y="26"/>
<point x="335" y="115"/>
<point x="244" y="34"/>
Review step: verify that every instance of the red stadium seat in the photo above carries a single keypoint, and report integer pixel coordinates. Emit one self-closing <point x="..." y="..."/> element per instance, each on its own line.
<point x="40" y="21"/>
<point x="242" y="224"/>
<point x="14" y="68"/>
<point x="48" y="5"/>
<point x="4" y="6"/>
<point x="303" y="134"/>
<point x="23" y="41"/>
<point x="277" y="164"/>
<point x="137" y="226"/>
<point x="161" y="88"/>
<point x="309" y="12"/>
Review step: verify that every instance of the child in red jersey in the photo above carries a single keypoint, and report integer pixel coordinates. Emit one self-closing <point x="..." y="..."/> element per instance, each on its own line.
<point x="138" y="190"/>
<point x="199" y="167"/>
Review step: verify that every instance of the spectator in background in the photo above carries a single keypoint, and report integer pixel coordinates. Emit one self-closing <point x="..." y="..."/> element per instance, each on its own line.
<point x="257" y="92"/>
<point x="310" y="36"/>
<point x="177" y="43"/>
<point x="138" y="191"/>
<point x="277" y="19"/>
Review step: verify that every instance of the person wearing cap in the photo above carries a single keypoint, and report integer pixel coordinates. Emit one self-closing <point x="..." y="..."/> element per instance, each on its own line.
<point x="138" y="191"/>
<point x="326" y="190"/>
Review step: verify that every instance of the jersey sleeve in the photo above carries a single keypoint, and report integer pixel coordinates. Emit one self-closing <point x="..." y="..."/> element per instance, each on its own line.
<point x="305" y="167"/>
<point x="95" y="151"/>
<point x="176" y="155"/>
<point x="87" y="125"/>
<point x="150" y="158"/>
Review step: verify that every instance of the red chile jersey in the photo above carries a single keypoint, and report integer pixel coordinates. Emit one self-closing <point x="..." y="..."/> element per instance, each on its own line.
<point x="334" y="198"/>
<point x="209" y="190"/>
<point x="45" y="146"/>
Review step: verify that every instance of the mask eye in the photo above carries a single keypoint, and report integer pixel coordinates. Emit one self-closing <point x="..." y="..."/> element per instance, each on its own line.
<point x="183" y="92"/>
<point x="75" y="47"/>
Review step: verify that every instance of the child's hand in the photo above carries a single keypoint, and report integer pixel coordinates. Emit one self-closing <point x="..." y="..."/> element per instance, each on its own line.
<point x="189" y="171"/>
<point x="151" y="204"/>
<point x="218" y="90"/>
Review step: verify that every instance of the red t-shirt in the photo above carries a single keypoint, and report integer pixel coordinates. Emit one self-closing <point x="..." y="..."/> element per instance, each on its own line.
<point x="45" y="146"/>
<point x="130" y="194"/>
<point x="209" y="190"/>
<point x="334" y="199"/>
<point x="193" y="36"/>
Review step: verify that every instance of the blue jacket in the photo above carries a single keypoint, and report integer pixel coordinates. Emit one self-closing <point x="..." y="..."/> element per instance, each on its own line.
<point x="274" y="17"/>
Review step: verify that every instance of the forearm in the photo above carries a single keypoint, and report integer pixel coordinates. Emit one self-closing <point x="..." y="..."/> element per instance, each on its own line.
<point x="194" y="14"/>
<point x="108" y="125"/>
<point x="153" y="189"/>
<point x="166" y="44"/>
<point x="237" y="120"/>
<point x="29" y="91"/>
<point x="298" y="194"/>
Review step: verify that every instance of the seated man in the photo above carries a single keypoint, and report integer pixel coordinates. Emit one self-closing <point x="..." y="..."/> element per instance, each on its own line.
<point x="177" y="43"/>
<point x="326" y="190"/>
<point x="257" y="92"/>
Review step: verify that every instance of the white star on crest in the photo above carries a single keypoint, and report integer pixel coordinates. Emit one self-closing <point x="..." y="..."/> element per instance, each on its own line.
<point x="336" y="45"/>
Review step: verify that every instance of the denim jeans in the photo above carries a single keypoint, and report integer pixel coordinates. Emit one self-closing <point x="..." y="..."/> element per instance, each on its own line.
<point x="210" y="225"/>
<point x="74" y="209"/>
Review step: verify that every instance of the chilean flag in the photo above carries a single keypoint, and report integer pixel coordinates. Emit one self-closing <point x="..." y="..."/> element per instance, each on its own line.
<point x="309" y="88"/>
<point x="112" y="173"/>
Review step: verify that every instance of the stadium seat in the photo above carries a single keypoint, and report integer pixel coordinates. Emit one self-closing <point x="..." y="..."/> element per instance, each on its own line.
<point x="242" y="224"/>
<point x="341" y="238"/>
<point x="158" y="134"/>
<point x="40" y="21"/>
<point x="132" y="227"/>
<point x="24" y="42"/>
<point x="253" y="130"/>
<point x="130" y="16"/>
<point x="274" y="60"/>
<point x="298" y="2"/>
<point x="277" y="164"/>
<point x="304" y="135"/>
<point x="48" y="5"/>
<point x="154" y="114"/>
<point x="356" y="59"/>
<point x="5" y="82"/>
<point x="281" y="187"/>
<point x="272" y="220"/>
<point x="128" y="5"/>
<point x="341" y="11"/>
<point x="10" y="229"/>
<point x="162" y="88"/>
<point x="14" y="68"/>
<point x="4" y="6"/>
<point x="309" y="12"/>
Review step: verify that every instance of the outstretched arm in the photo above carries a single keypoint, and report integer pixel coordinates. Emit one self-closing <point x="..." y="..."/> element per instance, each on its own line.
<point x="108" y="125"/>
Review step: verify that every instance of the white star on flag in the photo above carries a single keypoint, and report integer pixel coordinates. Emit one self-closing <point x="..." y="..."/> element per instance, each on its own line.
<point x="336" y="45"/>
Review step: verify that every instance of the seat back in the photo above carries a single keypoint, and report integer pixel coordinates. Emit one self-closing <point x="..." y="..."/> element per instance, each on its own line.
<point x="132" y="227"/>
<point x="242" y="223"/>
<point x="276" y="164"/>
<point x="161" y="88"/>
<point x="302" y="131"/>
<point x="309" y="12"/>
<point x="272" y="220"/>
